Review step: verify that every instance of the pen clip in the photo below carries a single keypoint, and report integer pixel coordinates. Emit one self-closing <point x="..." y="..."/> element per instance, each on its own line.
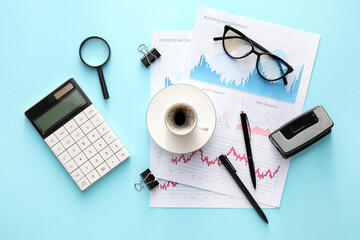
<point x="248" y="126"/>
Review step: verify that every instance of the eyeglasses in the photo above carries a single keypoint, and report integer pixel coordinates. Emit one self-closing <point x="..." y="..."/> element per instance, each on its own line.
<point x="269" y="66"/>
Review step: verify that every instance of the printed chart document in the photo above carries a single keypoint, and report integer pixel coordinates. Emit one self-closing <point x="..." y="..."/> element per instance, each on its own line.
<point x="235" y="86"/>
<point x="173" y="47"/>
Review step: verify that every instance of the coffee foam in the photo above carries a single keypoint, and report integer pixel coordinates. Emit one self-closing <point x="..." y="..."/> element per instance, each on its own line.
<point x="190" y="118"/>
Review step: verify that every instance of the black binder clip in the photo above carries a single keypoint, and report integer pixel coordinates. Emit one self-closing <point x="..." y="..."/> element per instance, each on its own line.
<point x="148" y="180"/>
<point x="149" y="57"/>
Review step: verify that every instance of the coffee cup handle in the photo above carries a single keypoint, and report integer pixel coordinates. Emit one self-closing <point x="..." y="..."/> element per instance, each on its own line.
<point x="202" y="127"/>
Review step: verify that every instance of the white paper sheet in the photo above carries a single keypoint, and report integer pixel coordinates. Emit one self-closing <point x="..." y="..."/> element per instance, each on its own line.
<point x="173" y="47"/>
<point x="235" y="86"/>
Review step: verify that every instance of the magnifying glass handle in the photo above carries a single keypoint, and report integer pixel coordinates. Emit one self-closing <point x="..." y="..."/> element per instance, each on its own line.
<point x="103" y="84"/>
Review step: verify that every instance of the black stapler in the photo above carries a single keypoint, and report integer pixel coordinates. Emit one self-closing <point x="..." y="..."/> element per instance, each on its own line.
<point x="301" y="131"/>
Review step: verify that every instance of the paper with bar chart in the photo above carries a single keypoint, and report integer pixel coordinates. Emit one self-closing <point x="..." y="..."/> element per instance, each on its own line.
<point x="235" y="86"/>
<point x="173" y="46"/>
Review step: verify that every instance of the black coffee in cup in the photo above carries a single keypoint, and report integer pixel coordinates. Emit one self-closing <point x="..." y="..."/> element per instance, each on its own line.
<point x="181" y="118"/>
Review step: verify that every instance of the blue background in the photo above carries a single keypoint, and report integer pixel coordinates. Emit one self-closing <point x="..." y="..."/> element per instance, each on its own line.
<point x="39" y="50"/>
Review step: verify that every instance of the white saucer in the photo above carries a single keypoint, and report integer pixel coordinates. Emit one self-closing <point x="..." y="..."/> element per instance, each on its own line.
<point x="155" y="118"/>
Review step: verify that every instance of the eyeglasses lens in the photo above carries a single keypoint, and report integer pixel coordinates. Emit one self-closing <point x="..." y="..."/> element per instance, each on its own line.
<point x="235" y="46"/>
<point x="271" y="68"/>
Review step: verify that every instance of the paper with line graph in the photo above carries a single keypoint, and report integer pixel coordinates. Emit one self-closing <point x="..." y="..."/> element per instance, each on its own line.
<point x="203" y="169"/>
<point x="173" y="46"/>
<point x="174" y="194"/>
<point x="235" y="86"/>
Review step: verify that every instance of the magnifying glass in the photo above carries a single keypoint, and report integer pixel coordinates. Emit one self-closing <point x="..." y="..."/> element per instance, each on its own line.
<point x="95" y="52"/>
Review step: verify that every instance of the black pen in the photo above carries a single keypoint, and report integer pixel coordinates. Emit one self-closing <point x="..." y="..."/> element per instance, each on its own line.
<point x="247" y="134"/>
<point x="230" y="168"/>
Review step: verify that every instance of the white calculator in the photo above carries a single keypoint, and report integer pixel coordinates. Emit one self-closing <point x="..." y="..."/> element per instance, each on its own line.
<point x="77" y="134"/>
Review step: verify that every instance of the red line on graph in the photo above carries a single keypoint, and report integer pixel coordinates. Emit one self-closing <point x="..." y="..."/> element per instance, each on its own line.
<point x="165" y="186"/>
<point x="237" y="156"/>
<point x="216" y="161"/>
<point x="176" y="160"/>
<point x="206" y="160"/>
<point x="264" y="174"/>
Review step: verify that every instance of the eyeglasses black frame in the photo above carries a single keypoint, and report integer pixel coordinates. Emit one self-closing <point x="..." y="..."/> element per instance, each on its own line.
<point x="258" y="54"/>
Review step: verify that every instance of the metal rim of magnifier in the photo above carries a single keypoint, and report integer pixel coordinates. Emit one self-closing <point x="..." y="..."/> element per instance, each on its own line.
<point x="81" y="45"/>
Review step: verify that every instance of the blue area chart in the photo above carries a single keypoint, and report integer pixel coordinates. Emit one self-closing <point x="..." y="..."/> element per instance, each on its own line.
<point x="168" y="82"/>
<point x="250" y="82"/>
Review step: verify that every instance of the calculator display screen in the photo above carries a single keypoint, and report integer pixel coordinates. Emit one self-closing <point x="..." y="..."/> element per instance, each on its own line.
<point x="60" y="110"/>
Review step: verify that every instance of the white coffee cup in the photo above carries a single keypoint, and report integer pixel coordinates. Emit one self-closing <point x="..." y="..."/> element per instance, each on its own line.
<point x="181" y="119"/>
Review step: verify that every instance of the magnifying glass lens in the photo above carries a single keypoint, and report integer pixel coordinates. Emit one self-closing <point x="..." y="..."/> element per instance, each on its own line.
<point x="94" y="52"/>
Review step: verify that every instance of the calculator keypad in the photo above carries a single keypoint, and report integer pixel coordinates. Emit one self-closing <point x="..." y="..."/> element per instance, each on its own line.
<point x="61" y="133"/>
<point x="64" y="157"/>
<point x="51" y="140"/>
<point x="67" y="141"/>
<point x="87" y="147"/>
<point x="80" y="159"/>
<point x="77" y="175"/>
<point x="93" y="176"/>
<point x="93" y="136"/>
<point x="96" y="160"/>
<point x="103" y="169"/>
<point x="70" y="126"/>
<point x="83" y="183"/>
<point x="58" y="149"/>
<point x="77" y="134"/>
